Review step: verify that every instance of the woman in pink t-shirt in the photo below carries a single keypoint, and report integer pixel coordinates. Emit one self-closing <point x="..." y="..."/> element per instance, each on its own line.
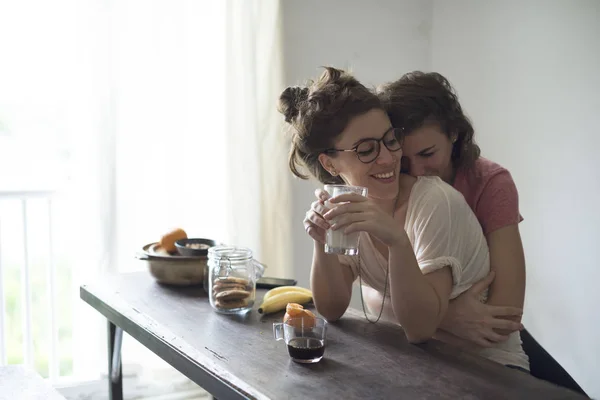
<point x="439" y="141"/>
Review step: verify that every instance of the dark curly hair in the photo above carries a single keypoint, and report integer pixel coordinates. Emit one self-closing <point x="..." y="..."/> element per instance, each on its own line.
<point x="420" y="97"/>
<point x="318" y="113"/>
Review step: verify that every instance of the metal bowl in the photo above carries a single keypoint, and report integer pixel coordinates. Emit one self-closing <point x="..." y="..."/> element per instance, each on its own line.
<point x="186" y="247"/>
<point x="173" y="269"/>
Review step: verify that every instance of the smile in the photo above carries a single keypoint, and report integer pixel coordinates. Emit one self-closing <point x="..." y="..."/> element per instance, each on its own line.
<point x="384" y="175"/>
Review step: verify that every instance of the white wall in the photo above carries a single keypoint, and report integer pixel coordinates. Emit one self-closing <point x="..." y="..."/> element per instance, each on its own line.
<point x="528" y="73"/>
<point x="378" y="40"/>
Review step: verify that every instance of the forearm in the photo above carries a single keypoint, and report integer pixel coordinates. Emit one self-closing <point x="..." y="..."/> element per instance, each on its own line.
<point x="447" y="321"/>
<point x="497" y="298"/>
<point x="508" y="289"/>
<point x="507" y="259"/>
<point x="449" y="338"/>
<point x="331" y="284"/>
<point x="417" y="305"/>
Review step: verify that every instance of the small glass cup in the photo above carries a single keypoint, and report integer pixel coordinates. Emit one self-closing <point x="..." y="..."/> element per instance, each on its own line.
<point x="338" y="242"/>
<point x="305" y="338"/>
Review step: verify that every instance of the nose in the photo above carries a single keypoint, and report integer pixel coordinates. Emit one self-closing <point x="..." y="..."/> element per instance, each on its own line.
<point x="386" y="157"/>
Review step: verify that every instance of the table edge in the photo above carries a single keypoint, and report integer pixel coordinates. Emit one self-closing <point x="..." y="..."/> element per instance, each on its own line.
<point x="206" y="379"/>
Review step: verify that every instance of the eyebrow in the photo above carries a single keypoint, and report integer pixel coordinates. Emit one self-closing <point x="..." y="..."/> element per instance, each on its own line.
<point x="372" y="138"/>
<point x="426" y="150"/>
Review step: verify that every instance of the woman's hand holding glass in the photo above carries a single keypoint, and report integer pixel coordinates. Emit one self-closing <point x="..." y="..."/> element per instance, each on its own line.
<point x="356" y="213"/>
<point x="314" y="224"/>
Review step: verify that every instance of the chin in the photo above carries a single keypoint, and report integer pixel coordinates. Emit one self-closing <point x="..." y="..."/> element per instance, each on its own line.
<point x="383" y="190"/>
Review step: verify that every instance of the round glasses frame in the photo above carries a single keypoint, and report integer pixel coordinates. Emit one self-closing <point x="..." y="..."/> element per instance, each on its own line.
<point x="372" y="156"/>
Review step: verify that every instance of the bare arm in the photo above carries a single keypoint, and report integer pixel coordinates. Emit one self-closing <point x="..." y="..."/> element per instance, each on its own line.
<point x="419" y="301"/>
<point x="331" y="284"/>
<point x="507" y="260"/>
<point x="485" y="324"/>
<point x="330" y="281"/>
<point x="467" y="317"/>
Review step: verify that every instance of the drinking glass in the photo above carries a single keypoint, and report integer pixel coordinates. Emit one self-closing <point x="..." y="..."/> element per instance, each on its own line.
<point x="304" y="337"/>
<point x="338" y="242"/>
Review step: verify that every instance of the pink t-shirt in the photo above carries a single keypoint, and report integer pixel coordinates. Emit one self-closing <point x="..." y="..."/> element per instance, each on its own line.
<point x="491" y="193"/>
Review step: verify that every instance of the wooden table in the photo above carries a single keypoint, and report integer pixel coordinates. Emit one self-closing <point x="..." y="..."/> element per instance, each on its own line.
<point x="19" y="382"/>
<point x="235" y="357"/>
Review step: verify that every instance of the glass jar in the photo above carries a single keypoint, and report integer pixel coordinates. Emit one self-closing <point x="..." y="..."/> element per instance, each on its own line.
<point x="232" y="276"/>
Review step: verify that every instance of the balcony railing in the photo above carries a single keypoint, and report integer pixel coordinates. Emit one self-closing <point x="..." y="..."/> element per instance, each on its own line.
<point x="23" y="198"/>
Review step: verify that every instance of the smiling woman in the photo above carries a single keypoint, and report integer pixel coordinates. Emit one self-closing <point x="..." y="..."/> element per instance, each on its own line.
<point x="420" y="244"/>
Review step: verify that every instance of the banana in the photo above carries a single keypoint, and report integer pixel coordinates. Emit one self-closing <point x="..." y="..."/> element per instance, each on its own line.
<point x="278" y="302"/>
<point x="282" y="289"/>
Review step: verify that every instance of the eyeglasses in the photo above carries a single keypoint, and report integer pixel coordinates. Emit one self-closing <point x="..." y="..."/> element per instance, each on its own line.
<point x="368" y="150"/>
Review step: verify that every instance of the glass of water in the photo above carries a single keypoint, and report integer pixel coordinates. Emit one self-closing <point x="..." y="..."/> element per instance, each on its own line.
<point x="338" y="242"/>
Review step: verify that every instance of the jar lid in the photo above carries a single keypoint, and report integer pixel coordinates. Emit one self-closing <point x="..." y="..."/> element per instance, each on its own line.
<point x="232" y="253"/>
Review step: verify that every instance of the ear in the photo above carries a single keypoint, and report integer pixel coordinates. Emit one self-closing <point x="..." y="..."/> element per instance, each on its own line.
<point x="453" y="137"/>
<point x="327" y="163"/>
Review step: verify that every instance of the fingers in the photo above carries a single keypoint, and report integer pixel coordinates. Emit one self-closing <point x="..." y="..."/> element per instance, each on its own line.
<point x="319" y="208"/>
<point x="506" y="324"/>
<point x="315" y="219"/>
<point x="496" y="337"/>
<point x="316" y="234"/>
<point x="483" y="284"/>
<point x="321" y="194"/>
<point x="343" y="209"/>
<point x="359" y="226"/>
<point x="483" y="342"/>
<point x="505" y="311"/>
<point x="314" y="224"/>
<point x="346" y="221"/>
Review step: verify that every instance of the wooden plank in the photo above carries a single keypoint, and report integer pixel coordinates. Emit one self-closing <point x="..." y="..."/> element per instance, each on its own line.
<point x="18" y="382"/>
<point x="237" y="357"/>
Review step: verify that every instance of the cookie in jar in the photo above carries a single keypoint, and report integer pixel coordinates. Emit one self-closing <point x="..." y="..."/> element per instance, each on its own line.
<point x="232" y="279"/>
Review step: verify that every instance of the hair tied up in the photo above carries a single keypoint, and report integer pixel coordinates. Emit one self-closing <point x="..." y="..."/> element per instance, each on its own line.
<point x="290" y="101"/>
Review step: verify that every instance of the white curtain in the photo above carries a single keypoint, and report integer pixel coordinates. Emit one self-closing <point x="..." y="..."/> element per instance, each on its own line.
<point x="167" y="112"/>
<point x="260" y="192"/>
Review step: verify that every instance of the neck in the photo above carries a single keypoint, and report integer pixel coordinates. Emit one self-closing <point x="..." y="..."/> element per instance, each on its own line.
<point x="388" y="205"/>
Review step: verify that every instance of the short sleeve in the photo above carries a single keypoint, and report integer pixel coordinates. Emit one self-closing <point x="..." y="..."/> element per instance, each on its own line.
<point x="434" y="229"/>
<point x="498" y="205"/>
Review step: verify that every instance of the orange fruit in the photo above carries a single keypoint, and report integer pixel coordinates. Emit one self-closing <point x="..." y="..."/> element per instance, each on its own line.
<point x="300" y="317"/>
<point x="167" y="241"/>
<point x="294" y="309"/>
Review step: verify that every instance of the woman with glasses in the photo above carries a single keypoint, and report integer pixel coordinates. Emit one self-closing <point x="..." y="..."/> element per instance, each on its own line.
<point x="420" y="243"/>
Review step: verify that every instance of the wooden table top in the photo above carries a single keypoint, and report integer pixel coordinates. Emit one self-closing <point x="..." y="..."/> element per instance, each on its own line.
<point x="237" y="356"/>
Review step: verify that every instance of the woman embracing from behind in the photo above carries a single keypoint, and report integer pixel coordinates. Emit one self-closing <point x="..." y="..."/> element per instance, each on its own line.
<point x="420" y="243"/>
<point x="440" y="142"/>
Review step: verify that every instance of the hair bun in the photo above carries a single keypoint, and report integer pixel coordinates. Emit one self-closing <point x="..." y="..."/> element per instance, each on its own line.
<point x="290" y="100"/>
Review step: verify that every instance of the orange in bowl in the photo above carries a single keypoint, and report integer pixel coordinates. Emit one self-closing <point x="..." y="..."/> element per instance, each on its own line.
<point x="299" y="316"/>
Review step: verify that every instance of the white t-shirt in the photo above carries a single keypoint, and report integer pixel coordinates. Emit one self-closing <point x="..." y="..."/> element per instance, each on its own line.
<point x="443" y="231"/>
